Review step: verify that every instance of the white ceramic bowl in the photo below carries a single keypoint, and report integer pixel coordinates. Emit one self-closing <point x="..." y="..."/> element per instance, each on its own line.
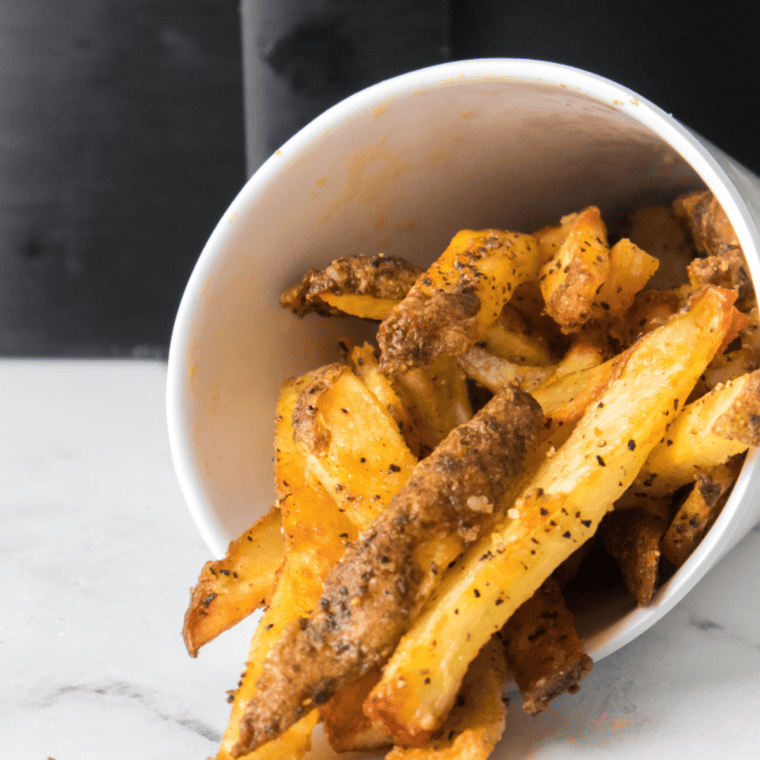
<point x="399" y="168"/>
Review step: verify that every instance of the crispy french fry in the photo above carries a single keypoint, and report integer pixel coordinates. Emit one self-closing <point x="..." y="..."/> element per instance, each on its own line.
<point x="457" y="299"/>
<point x="659" y="232"/>
<point x="697" y="511"/>
<point x="511" y="337"/>
<point x="438" y="398"/>
<point x="558" y="511"/>
<point x="346" y="726"/>
<point x="370" y="596"/>
<point x="315" y="535"/>
<point x="714" y="235"/>
<point x="550" y="238"/>
<point x="331" y="421"/>
<point x="706" y="433"/>
<point x="543" y="649"/>
<point x="731" y="365"/>
<point x="630" y="269"/>
<point x="709" y="224"/>
<point x="230" y="589"/>
<point x="494" y="373"/>
<point x="476" y="722"/>
<point x="365" y="366"/>
<point x="361" y="285"/>
<point x="571" y="277"/>
<point x="632" y="537"/>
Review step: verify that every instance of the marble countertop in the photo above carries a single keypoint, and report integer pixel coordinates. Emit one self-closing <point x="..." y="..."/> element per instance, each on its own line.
<point x="99" y="551"/>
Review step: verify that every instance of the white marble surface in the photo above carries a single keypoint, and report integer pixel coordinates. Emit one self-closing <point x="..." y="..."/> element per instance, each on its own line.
<point x="98" y="551"/>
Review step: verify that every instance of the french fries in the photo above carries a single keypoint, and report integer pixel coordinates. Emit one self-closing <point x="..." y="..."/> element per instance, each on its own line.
<point x="370" y="596"/>
<point x="427" y="530"/>
<point x="230" y="589"/>
<point x="457" y="299"/>
<point x="558" y="511"/>
<point x="364" y="286"/>
<point x="543" y="649"/>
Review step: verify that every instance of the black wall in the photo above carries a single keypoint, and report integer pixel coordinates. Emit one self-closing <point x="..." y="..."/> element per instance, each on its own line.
<point x="122" y="129"/>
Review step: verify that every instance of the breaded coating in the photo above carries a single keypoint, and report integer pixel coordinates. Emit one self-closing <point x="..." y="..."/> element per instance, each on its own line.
<point x="544" y="652"/>
<point x="632" y="537"/>
<point x="700" y="507"/>
<point x="714" y="236"/>
<point x="381" y="277"/>
<point x="457" y="298"/>
<point x="371" y="595"/>
<point x="742" y="421"/>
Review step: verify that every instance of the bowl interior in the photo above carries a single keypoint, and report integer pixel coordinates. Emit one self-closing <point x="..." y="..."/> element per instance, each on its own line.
<point x="399" y="168"/>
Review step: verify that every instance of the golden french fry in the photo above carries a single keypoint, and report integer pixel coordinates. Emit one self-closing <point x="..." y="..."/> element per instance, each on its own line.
<point x="230" y="589"/>
<point x="457" y="299"/>
<point x="557" y="512"/>
<point x="369" y="598"/>
<point x="361" y="285"/>
<point x="331" y="421"/>
<point x="476" y="722"/>
<point x="632" y="537"/>
<point x="287" y="604"/>
<point x="630" y="269"/>
<point x="346" y="726"/>
<point x="706" y="433"/>
<point x="365" y="366"/>
<point x="494" y="373"/>
<point x="543" y="649"/>
<point x="571" y="278"/>
<point x="438" y="398"/>
<point x="697" y="511"/>
<point x="315" y="536"/>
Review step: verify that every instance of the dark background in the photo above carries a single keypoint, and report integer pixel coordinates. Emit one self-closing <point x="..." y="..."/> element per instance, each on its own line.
<point x="123" y="123"/>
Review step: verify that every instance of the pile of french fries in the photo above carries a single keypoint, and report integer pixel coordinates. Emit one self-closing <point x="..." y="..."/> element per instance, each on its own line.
<point x="528" y="400"/>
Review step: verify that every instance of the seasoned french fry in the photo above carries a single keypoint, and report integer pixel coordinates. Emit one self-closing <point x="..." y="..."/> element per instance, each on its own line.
<point x="550" y="238"/>
<point x="632" y="537"/>
<point x="315" y="536"/>
<point x="706" y="433"/>
<point x="331" y="419"/>
<point x="346" y="726"/>
<point x="714" y="235"/>
<point x="571" y="277"/>
<point x="365" y="366"/>
<point x="650" y="309"/>
<point x="630" y="269"/>
<point x="476" y="722"/>
<point x="555" y="514"/>
<point x="697" y="511"/>
<point x="370" y="596"/>
<point x="286" y="605"/>
<point x="361" y="285"/>
<point x="457" y="299"/>
<point x="659" y="232"/>
<point x="710" y="227"/>
<point x="437" y="396"/>
<point x="543" y="649"/>
<point x="230" y="589"/>
<point x="494" y="373"/>
<point x="511" y="337"/>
